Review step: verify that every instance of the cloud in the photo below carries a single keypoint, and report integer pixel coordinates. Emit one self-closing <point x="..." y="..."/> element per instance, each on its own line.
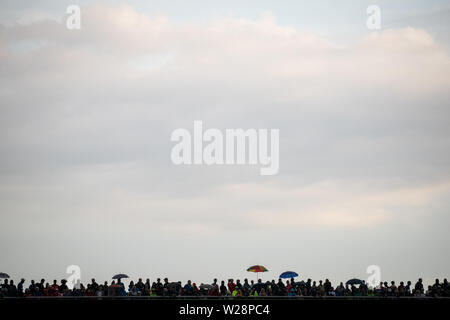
<point x="85" y="125"/>
<point x="111" y="93"/>
<point x="337" y="204"/>
<point x="87" y="116"/>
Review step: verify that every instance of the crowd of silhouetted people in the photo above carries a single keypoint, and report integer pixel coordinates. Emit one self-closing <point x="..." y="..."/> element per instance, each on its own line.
<point x="230" y="288"/>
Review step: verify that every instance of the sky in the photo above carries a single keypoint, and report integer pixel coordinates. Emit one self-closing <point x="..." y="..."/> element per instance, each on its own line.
<point x="86" y="176"/>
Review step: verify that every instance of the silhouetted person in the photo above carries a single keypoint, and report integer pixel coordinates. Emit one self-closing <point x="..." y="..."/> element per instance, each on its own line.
<point x="419" y="286"/>
<point x="20" y="291"/>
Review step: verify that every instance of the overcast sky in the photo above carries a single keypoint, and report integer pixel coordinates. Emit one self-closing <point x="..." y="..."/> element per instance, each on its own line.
<point x="86" y="118"/>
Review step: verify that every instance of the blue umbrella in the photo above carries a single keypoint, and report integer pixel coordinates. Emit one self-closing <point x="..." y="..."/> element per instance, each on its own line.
<point x="288" y="274"/>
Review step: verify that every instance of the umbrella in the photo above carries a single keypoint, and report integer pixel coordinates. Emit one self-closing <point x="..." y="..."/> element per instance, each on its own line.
<point x="120" y="276"/>
<point x="206" y="286"/>
<point x="4" y="275"/>
<point x="257" y="269"/>
<point x="354" y="281"/>
<point x="288" y="274"/>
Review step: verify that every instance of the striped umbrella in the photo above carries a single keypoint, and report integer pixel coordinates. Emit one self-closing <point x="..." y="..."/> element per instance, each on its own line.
<point x="257" y="269"/>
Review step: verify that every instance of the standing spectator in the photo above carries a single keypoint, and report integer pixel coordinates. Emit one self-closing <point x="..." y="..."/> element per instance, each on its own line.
<point x="188" y="289"/>
<point x="327" y="287"/>
<point x="408" y="289"/>
<point x="140" y="286"/>
<point x="94" y="285"/>
<point x="313" y="289"/>
<point x="247" y="286"/>
<point x="54" y="289"/>
<point x="340" y="290"/>
<point x="20" y="291"/>
<point x="401" y="289"/>
<point x="239" y="284"/>
<point x="274" y="287"/>
<point x="394" y="291"/>
<point x="5" y="287"/>
<point x="147" y="287"/>
<point x="288" y="286"/>
<point x="308" y="286"/>
<point x="281" y="288"/>
<point x="41" y="285"/>
<point x="131" y="285"/>
<point x="223" y="288"/>
<point x="105" y="288"/>
<point x="436" y="289"/>
<point x="419" y="286"/>
<point x="429" y="292"/>
<point x="166" y="285"/>
<point x="214" y="291"/>
<point x="133" y="291"/>
<point x="100" y="291"/>
<point x="12" y="289"/>
<point x="195" y="289"/>
<point x="320" y="289"/>
<point x="445" y="288"/>
<point x="231" y="285"/>
<point x="159" y="287"/>
<point x="347" y="291"/>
